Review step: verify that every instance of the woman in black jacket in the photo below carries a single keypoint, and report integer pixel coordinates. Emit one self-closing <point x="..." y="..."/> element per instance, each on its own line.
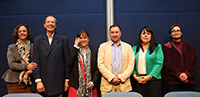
<point x="83" y="61"/>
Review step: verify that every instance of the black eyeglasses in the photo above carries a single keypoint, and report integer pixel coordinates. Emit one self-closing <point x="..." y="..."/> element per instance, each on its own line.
<point x="178" y="31"/>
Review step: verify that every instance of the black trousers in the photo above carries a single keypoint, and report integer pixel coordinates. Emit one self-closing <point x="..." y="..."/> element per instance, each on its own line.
<point x="153" y="88"/>
<point x="180" y="87"/>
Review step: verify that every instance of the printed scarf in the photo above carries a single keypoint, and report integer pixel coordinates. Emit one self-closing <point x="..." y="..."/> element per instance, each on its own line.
<point x="84" y="68"/>
<point x="24" y="51"/>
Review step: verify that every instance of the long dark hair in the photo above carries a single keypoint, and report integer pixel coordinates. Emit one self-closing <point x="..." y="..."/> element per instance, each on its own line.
<point x="153" y="44"/>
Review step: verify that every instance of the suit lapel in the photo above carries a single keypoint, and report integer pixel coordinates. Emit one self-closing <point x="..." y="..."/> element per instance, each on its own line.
<point x="45" y="41"/>
<point x="123" y="56"/>
<point x="54" y="43"/>
<point x="31" y="51"/>
<point x="109" y="48"/>
<point x="17" y="53"/>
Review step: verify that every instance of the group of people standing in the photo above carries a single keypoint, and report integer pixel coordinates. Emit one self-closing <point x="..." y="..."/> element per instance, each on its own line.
<point x="49" y="68"/>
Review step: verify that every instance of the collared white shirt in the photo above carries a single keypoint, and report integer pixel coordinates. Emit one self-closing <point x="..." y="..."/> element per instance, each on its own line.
<point x="50" y="38"/>
<point x="142" y="62"/>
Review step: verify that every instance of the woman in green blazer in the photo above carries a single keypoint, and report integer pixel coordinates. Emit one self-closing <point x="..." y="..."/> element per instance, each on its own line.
<point x="148" y="64"/>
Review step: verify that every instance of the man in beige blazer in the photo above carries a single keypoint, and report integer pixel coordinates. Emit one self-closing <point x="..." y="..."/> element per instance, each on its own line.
<point x="116" y="63"/>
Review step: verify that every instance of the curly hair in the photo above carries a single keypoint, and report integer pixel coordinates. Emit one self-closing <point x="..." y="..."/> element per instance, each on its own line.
<point x="15" y="32"/>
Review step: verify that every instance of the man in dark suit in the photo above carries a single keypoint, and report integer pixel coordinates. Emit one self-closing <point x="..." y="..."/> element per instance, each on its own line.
<point x="50" y="52"/>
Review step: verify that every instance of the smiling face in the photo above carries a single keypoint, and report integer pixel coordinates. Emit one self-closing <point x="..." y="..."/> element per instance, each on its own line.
<point x="176" y="33"/>
<point x="50" y="24"/>
<point x="84" y="40"/>
<point x="22" y="33"/>
<point x="145" y="36"/>
<point x="115" y="34"/>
